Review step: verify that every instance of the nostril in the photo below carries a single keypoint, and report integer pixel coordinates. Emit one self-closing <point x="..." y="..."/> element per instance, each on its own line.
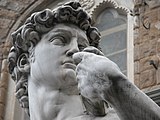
<point x="70" y="53"/>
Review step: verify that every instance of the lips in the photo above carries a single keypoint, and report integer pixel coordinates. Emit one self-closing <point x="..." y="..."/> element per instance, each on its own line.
<point x="69" y="64"/>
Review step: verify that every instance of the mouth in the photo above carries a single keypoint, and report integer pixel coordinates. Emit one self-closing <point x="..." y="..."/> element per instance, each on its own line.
<point x="69" y="64"/>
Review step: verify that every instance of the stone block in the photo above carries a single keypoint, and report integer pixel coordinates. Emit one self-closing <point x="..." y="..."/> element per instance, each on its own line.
<point x="158" y="76"/>
<point x="2" y="95"/>
<point x="153" y="15"/>
<point x="136" y="36"/>
<point x="4" y="80"/>
<point x="157" y="25"/>
<point x="144" y="64"/>
<point x="4" y="68"/>
<point x="138" y="2"/>
<point x="147" y="78"/>
<point x="3" y="32"/>
<point x="147" y="48"/>
<point x="4" y="13"/>
<point x="1" y="111"/>
<point x="153" y="33"/>
<point x="144" y="38"/>
<point x="136" y="67"/>
<point x="136" y="52"/>
<point x="3" y="3"/>
<point x="158" y="46"/>
<point x="152" y="4"/>
<point x="136" y="80"/>
<point x="5" y="23"/>
<point x="143" y="31"/>
<point x="19" y="6"/>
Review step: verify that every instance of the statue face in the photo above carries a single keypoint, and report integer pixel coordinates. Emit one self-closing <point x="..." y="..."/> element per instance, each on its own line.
<point x="53" y="64"/>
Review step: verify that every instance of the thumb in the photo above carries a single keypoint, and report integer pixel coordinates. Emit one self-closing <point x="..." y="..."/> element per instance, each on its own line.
<point x="79" y="56"/>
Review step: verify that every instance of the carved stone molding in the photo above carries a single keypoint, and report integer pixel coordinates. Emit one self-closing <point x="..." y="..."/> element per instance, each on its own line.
<point x="146" y="22"/>
<point x="139" y="8"/>
<point x="138" y="2"/>
<point x="87" y="4"/>
<point x="98" y="8"/>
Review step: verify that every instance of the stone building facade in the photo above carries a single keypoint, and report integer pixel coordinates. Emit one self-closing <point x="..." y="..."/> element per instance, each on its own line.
<point x="147" y="47"/>
<point x="142" y="34"/>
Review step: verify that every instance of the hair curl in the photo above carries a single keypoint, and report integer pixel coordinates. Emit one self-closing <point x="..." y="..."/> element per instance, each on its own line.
<point x="28" y="35"/>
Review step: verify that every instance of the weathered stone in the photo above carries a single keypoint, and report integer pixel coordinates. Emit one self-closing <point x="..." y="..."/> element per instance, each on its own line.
<point x="136" y="36"/>
<point x="152" y="3"/>
<point x="3" y="32"/>
<point x="26" y="1"/>
<point x="152" y="14"/>
<point x="145" y="64"/>
<point x="1" y="110"/>
<point x="136" y="21"/>
<point x="136" y="67"/>
<point x="147" y="48"/>
<point x="4" y="13"/>
<point x="138" y="2"/>
<point x="136" y="80"/>
<point x="4" y="66"/>
<point x="3" y="2"/>
<point x="158" y="76"/>
<point x="142" y="10"/>
<point x="147" y="78"/>
<point x="143" y="32"/>
<point x="5" y="52"/>
<point x="5" y="23"/>
<point x="15" y="6"/>
<point x="157" y="25"/>
<point x="158" y="46"/>
<point x="136" y="52"/>
<point x="153" y="32"/>
<point x="19" y="6"/>
<point x="2" y="95"/>
<point x="4" y="80"/>
<point x="144" y="38"/>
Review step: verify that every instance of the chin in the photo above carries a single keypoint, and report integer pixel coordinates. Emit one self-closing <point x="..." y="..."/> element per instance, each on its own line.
<point x="70" y="74"/>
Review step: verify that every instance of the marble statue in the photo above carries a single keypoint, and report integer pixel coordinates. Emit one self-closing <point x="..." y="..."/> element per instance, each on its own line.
<point x="61" y="73"/>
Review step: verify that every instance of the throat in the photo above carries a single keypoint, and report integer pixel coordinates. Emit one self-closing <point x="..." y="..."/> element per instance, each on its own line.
<point x="49" y="104"/>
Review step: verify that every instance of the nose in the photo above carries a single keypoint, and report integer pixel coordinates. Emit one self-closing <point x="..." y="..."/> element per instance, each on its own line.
<point x="73" y="48"/>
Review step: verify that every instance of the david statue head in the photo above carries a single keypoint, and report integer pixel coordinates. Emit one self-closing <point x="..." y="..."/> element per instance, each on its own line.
<point x="61" y="74"/>
<point x="41" y="63"/>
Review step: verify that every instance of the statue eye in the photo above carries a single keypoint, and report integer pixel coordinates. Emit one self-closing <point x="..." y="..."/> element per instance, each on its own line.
<point x="59" y="40"/>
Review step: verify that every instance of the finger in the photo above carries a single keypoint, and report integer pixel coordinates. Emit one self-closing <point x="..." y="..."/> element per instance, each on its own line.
<point x="94" y="50"/>
<point x="79" y="56"/>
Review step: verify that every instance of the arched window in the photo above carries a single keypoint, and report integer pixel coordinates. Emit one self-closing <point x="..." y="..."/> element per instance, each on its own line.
<point x="113" y="28"/>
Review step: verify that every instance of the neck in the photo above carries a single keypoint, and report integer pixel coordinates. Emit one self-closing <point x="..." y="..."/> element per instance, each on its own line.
<point x="49" y="103"/>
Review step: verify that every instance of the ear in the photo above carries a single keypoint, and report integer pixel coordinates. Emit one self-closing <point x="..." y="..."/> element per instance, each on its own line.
<point x="23" y="63"/>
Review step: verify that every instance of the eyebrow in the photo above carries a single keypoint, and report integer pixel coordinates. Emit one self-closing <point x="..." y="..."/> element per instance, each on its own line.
<point x="58" y="31"/>
<point x="67" y="32"/>
<point x="55" y="32"/>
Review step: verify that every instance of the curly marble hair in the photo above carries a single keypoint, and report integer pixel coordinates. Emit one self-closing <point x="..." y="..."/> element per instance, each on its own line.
<point x="28" y="35"/>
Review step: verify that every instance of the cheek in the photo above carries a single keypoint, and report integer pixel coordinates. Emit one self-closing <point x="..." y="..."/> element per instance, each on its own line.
<point x="45" y="71"/>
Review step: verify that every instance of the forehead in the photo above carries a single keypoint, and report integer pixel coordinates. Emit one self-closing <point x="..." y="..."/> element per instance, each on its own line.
<point x="68" y="28"/>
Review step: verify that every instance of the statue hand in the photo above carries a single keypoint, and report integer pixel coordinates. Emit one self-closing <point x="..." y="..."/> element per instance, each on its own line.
<point x="95" y="73"/>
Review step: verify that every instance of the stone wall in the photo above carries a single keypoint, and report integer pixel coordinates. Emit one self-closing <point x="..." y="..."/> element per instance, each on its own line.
<point x="10" y="11"/>
<point x="147" y="43"/>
